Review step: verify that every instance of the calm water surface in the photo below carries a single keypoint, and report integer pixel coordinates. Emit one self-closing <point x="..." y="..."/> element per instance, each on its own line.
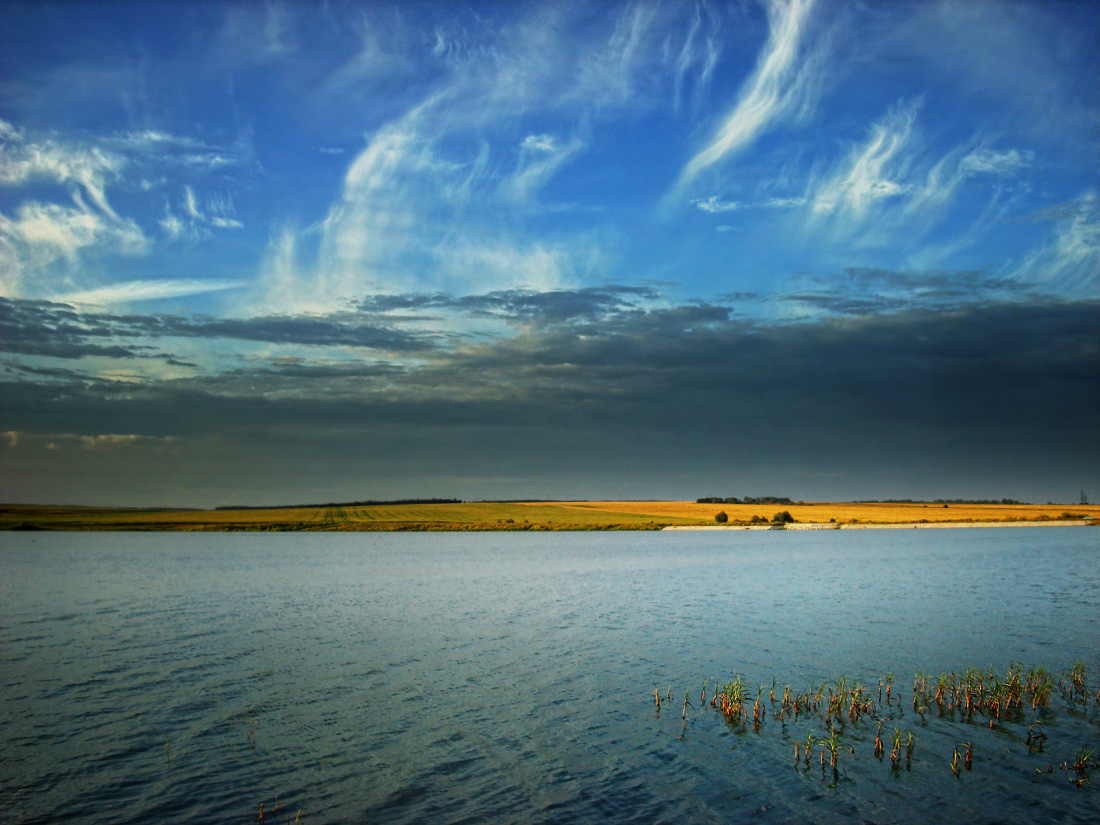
<point x="509" y="677"/>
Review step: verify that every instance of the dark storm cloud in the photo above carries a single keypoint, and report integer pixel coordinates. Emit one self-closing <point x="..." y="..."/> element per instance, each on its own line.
<point x="555" y="306"/>
<point x="976" y="392"/>
<point x="321" y="331"/>
<point x="60" y="373"/>
<point x="56" y="330"/>
<point x="60" y="331"/>
<point x="868" y="291"/>
<point x="671" y="367"/>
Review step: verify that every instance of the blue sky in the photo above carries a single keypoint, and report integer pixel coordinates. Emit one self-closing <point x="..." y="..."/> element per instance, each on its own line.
<point x="298" y="251"/>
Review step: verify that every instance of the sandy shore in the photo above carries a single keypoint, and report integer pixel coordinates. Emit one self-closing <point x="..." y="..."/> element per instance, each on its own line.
<point x="928" y="525"/>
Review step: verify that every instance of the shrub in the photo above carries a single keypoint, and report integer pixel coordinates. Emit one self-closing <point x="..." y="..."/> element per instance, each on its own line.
<point x="783" y="517"/>
<point x="721" y="518"/>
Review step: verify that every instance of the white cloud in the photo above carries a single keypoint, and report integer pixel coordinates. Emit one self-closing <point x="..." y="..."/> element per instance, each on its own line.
<point x="225" y="223"/>
<point x="146" y="290"/>
<point x="189" y="205"/>
<point x="992" y="162"/>
<point x="43" y="236"/>
<point x="539" y="143"/>
<point x="699" y="47"/>
<point x="485" y="265"/>
<point x="155" y="140"/>
<point x="715" y="206"/>
<point x="608" y="71"/>
<point x="284" y="286"/>
<point x="1069" y="263"/>
<point x="197" y="219"/>
<point x="868" y="174"/>
<point x="784" y="85"/>
<point x="48" y="246"/>
<point x="539" y="158"/>
<point x="785" y="203"/>
<point x="386" y="191"/>
<point x="22" y="162"/>
<point x="447" y="166"/>
<point x="172" y="225"/>
<point x="165" y="150"/>
<point x="891" y="190"/>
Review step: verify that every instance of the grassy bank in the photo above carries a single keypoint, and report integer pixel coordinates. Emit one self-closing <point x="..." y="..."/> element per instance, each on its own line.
<point x="580" y="515"/>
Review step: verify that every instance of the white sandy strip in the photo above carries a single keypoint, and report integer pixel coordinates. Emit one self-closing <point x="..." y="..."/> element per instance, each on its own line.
<point x="909" y="525"/>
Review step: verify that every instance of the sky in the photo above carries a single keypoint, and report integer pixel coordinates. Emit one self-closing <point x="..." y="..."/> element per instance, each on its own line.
<point x="280" y="252"/>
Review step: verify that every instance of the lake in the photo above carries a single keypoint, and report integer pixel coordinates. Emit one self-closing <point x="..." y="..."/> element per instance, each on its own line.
<point x="503" y="677"/>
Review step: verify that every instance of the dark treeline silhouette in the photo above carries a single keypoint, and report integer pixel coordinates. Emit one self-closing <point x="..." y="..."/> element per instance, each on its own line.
<point x="340" y="504"/>
<point x="746" y="500"/>
<point x="941" y="501"/>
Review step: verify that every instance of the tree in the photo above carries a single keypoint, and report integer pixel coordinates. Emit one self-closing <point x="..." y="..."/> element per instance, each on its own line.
<point x="721" y="518"/>
<point x="783" y="517"/>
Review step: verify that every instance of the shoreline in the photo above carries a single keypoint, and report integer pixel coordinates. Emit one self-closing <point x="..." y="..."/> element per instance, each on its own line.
<point x="815" y="526"/>
<point x="538" y="516"/>
<point x="445" y="527"/>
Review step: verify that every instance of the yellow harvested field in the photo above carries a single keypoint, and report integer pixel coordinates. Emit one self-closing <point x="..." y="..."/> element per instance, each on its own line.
<point x="823" y="512"/>
<point x="547" y="515"/>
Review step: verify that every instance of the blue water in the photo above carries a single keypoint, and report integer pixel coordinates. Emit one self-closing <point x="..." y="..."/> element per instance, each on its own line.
<point x="506" y="677"/>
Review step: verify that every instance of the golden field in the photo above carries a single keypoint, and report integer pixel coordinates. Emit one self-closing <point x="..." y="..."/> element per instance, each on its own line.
<point x="577" y="515"/>
<point x="844" y="513"/>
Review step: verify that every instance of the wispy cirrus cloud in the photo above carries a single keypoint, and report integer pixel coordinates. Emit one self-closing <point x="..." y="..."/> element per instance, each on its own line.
<point x="41" y="237"/>
<point x="194" y="221"/>
<point x="715" y="206"/>
<point x="696" y="57"/>
<point x="50" y="247"/>
<point x="1003" y="163"/>
<point x="874" y="170"/>
<point x="41" y="242"/>
<point x="146" y="290"/>
<point x="421" y="202"/>
<point x="24" y="161"/>
<point x="895" y="187"/>
<point x="784" y="85"/>
<point x="540" y="157"/>
<point x="1068" y="260"/>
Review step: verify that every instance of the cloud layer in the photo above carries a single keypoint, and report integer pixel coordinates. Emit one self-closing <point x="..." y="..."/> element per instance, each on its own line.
<point x="572" y="249"/>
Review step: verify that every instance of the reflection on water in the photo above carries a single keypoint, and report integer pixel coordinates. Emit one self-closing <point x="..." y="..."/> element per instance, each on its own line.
<point x="509" y="677"/>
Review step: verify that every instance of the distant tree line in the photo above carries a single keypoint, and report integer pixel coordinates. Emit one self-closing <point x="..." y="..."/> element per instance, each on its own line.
<point x="941" y="501"/>
<point x="745" y="500"/>
<point x="340" y="504"/>
<point x="782" y="517"/>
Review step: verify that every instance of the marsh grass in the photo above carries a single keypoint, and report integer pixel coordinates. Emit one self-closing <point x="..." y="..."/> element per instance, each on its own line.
<point x="1016" y="705"/>
<point x="277" y="813"/>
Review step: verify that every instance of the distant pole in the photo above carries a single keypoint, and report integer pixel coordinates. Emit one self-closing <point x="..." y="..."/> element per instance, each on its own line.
<point x="1084" y="498"/>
